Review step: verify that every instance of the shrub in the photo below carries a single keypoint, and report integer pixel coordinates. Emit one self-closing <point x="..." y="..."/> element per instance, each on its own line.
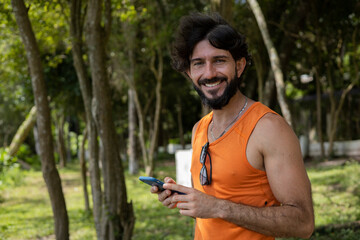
<point x="10" y="173"/>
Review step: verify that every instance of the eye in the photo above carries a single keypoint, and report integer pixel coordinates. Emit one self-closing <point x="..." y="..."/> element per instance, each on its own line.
<point x="219" y="60"/>
<point x="198" y="63"/>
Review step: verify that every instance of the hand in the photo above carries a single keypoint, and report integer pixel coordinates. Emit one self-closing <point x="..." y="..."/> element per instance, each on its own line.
<point x="195" y="203"/>
<point x="166" y="195"/>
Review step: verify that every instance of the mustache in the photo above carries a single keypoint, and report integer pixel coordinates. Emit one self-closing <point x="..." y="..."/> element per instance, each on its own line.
<point x="211" y="80"/>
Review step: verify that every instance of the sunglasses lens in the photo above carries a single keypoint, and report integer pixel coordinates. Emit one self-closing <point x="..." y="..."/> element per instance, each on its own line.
<point x="203" y="176"/>
<point x="202" y="157"/>
<point x="204" y="180"/>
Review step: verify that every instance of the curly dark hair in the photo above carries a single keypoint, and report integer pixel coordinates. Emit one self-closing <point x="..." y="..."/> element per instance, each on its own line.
<point x="197" y="27"/>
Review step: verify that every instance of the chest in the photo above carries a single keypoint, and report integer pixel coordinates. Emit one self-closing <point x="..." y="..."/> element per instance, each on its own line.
<point x="229" y="166"/>
<point x="248" y="144"/>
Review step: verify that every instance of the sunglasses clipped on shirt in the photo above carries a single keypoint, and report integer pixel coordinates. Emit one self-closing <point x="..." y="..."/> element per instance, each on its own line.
<point x="205" y="179"/>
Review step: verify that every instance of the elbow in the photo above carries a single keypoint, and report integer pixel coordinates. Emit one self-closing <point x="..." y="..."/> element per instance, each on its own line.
<point x="307" y="229"/>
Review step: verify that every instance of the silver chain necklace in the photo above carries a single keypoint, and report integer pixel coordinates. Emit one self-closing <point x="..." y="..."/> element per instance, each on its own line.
<point x="212" y="122"/>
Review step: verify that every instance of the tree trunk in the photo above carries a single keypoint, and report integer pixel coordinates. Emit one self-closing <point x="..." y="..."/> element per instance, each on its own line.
<point x="141" y="120"/>
<point x="50" y="173"/>
<point x="68" y="143"/>
<point x="23" y="132"/>
<point x="274" y="60"/>
<point x="130" y="37"/>
<point x="259" y="73"/>
<point x="148" y="153"/>
<point x="335" y="111"/>
<point x="336" y="108"/>
<point x="61" y="141"/>
<point x="36" y="140"/>
<point x="76" y="31"/>
<point x="158" y="73"/>
<point x="133" y="162"/>
<point x="119" y="218"/>
<point x="180" y="123"/>
<point x="270" y="89"/>
<point x="84" y="170"/>
<point x="224" y="7"/>
<point x="319" y="114"/>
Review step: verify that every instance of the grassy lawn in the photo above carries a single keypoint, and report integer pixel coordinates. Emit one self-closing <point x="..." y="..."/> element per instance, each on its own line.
<point x="25" y="211"/>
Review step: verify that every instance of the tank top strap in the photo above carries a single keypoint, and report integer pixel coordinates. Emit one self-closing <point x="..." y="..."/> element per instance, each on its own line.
<point x="201" y="129"/>
<point x="251" y="117"/>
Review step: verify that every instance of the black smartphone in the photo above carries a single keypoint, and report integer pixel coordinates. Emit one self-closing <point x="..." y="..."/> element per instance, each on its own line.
<point x="155" y="182"/>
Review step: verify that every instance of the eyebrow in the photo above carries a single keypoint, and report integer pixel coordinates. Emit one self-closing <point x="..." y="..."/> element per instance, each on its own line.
<point x="215" y="57"/>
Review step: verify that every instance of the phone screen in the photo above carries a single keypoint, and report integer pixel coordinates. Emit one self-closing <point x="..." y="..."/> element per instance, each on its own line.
<point x="155" y="182"/>
<point x="152" y="182"/>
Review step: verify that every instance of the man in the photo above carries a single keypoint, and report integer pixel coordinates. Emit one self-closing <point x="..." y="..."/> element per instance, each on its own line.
<point x="249" y="180"/>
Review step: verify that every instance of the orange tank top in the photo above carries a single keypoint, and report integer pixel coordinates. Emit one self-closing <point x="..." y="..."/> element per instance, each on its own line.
<point x="233" y="178"/>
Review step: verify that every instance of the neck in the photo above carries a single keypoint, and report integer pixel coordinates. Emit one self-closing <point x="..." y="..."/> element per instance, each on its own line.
<point x="222" y="117"/>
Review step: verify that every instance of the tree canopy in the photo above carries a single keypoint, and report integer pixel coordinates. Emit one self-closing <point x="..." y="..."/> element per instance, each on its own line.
<point x="114" y="79"/>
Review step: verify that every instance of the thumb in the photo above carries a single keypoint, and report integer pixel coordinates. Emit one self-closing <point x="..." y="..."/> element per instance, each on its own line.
<point x="169" y="180"/>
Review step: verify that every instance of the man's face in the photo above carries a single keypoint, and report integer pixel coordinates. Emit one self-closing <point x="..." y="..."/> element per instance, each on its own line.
<point x="214" y="74"/>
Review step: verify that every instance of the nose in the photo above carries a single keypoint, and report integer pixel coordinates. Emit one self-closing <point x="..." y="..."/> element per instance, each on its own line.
<point x="209" y="71"/>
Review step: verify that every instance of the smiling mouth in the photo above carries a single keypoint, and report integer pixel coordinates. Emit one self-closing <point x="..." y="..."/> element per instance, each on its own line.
<point x="212" y="84"/>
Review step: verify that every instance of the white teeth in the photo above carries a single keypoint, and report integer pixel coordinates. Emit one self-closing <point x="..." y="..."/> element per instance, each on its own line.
<point x="212" y="84"/>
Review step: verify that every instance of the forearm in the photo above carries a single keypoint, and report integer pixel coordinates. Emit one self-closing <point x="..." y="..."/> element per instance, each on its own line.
<point x="279" y="221"/>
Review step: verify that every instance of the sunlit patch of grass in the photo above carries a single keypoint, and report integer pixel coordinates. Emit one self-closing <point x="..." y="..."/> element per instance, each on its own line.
<point x="153" y="220"/>
<point x="336" y="193"/>
<point x="25" y="210"/>
<point x="81" y="221"/>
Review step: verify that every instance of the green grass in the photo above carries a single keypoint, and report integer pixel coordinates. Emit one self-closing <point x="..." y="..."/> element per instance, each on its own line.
<point x="336" y="193"/>
<point x="153" y="220"/>
<point x="25" y="210"/>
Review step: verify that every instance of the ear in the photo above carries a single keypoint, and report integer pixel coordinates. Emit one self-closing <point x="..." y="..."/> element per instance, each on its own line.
<point x="187" y="73"/>
<point x="240" y="66"/>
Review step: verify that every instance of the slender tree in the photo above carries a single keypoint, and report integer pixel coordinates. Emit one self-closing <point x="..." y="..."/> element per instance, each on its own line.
<point x="60" y="139"/>
<point x="133" y="160"/>
<point x="274" y="59"/>
<point x="22" y="132"/>
<point x="118" y="217"/>
<point x="224" y="7"/>
<point x="129" y="30"/>
<point x="50" y="173"/>
<point x="156" y="65"/>
<point x="77" y="15"/>
<point x="84" y="170"/>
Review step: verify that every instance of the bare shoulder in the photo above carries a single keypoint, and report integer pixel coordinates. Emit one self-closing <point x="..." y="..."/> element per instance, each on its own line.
<point x="280" y="149"/>
<point x="273" y="132"/>
<point x="195" y="127"/>
<point x="283" y="161"/>
<point x="273" y="122"/>
<point x="194" y="131"/>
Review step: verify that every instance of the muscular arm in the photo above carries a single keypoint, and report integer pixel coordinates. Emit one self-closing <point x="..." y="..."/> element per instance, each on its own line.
<point x="278" y="146"/>
<point x="288" y="180"/>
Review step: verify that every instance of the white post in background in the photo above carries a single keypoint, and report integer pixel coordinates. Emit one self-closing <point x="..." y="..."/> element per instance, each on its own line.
<point x="183" y="164"/>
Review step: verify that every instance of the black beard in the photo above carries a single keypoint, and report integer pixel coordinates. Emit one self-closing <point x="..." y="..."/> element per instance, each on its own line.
<point x="223" y="100"/>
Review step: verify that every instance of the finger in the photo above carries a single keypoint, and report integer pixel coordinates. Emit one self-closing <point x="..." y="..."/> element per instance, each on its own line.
<point x="168" y="203"/>
<point x="182" y="205"/>
<point x="169" y="180"/>
<point x="172" y="205"/>
<point x="164" y="195"/>
<point x="180" y="198"/>
<point x="187" y="213"/>
<point x="178" y="188"/>
<point x="154" y="189"/>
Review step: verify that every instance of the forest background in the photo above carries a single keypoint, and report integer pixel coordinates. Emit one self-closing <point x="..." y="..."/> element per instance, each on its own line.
<point x="90" y="82"/>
